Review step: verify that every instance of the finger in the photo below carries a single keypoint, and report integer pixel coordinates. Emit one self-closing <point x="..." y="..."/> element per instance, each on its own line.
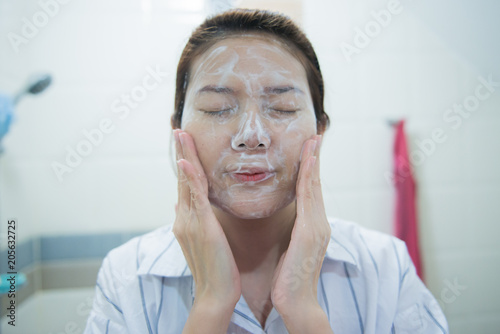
<point x="307" y="150"/>
<point x="183" y="207"/>
<point x="316" y="178"/>
<point x="305" y="195"/>
<point x="307" y="147"/>
<point x="191" y="153"/>
<point x="178" y="148"/>
<point x="183" y="193"/>
<point x="199" y="196"/>
<point x="319" y="141"/>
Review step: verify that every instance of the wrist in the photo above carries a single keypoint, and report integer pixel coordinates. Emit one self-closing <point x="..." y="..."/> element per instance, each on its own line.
<point x="208" y="317"/>
<point x="307" y="319"/>
<point x="210" y="305"/>
<point x="207" y="298"/>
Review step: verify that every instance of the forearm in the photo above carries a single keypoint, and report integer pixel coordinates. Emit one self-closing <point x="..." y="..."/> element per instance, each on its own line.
<point x="207" y="318"/>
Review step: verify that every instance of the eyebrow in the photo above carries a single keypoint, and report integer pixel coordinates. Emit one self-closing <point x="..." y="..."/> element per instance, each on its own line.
<point x="215" y="89"/>
<point x="267" y="90"/>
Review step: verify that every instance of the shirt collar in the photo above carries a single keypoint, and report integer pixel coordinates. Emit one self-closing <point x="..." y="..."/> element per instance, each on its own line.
<point x="341" y="246"/>
<point x="162" y="255"/>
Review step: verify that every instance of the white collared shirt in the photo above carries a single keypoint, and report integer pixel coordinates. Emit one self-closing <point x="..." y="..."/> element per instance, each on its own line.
<point x="368" y="284"/>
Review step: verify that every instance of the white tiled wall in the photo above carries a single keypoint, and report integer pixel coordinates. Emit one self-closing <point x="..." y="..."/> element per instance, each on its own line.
<point x="97" y="51"/>
<point x="413" y="69"/>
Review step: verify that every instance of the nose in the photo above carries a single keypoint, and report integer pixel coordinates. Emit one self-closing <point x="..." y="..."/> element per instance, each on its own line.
<point x="251" y="134"/>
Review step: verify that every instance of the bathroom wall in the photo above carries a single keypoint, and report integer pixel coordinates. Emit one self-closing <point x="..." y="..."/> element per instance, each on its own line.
<point x="422" y="62"/>
<point x="91" y="156"/>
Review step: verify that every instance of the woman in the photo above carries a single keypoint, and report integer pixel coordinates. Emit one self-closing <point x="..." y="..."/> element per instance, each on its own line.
<point x="251" y="249"/>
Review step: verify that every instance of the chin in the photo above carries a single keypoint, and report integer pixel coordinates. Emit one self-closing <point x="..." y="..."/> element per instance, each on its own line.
<point x="249" y="207"/>
<point x="249" y="213"/>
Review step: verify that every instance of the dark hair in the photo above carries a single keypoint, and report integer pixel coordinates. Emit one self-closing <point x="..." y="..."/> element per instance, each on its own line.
<point x="239" y="21"/>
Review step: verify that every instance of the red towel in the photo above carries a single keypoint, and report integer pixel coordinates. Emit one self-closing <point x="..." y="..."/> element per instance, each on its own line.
<point x="405" y="223"/>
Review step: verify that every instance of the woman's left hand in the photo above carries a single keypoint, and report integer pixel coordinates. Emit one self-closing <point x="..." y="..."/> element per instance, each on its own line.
<point x="294" y="292"/>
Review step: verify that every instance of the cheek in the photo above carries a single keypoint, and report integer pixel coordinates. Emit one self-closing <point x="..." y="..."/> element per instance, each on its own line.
<point x="213" y="139"/>
<point x="296" y="133"/>
<point x="292" y="158"/>
<point x="211" y="142"/>
<point x="292" y="140"/>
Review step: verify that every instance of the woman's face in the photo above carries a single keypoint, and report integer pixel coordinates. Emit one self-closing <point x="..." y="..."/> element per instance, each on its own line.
<point x="249" y="111"/>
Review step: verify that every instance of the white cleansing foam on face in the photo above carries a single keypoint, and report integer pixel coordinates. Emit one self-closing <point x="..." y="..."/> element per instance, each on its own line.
<point x="249" y="106"/>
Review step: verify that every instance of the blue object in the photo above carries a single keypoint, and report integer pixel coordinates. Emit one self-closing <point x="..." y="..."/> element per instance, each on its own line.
<point x="6" y="113"/>
<point x="7" y="280"/>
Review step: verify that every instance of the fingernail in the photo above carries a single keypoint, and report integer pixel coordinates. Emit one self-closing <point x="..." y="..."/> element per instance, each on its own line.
<point x="179" y="164"/>
<point x="314" y="145"/>
<point x="182" y="138"/>
<point x="176" y="134"/>
<point x="313" y="162"/>
<point x="304" y="146"/>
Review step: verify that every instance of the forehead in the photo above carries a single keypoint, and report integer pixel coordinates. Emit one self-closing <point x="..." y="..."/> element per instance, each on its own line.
<point x="249" y="57"/>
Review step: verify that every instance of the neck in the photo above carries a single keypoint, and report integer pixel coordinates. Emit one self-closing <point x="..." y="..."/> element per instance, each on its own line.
<point x="257" y="244"/>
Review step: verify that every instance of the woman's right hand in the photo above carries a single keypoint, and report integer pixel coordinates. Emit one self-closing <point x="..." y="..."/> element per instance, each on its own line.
<point x="204" y="244"/>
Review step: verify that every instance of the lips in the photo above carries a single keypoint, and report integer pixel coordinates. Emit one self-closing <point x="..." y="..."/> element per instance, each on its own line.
<point x="251" y="174"/>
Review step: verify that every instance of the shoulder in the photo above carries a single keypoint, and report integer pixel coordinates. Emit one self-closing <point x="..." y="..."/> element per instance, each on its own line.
<point x="382" y="265"/>
<point x="126" y="259"/>
<point x="138" y="248"/>
<point x="118" y="277"/>
<point x="367" y="245"/>
<point x="353" y="229"/>
<point x="120" y="288"/>
<point x="361" y="236"/>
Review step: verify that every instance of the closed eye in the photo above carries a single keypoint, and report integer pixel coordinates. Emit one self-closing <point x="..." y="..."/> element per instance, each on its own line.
<point x="216" y="112"/>
<point x="285" y="111"/>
